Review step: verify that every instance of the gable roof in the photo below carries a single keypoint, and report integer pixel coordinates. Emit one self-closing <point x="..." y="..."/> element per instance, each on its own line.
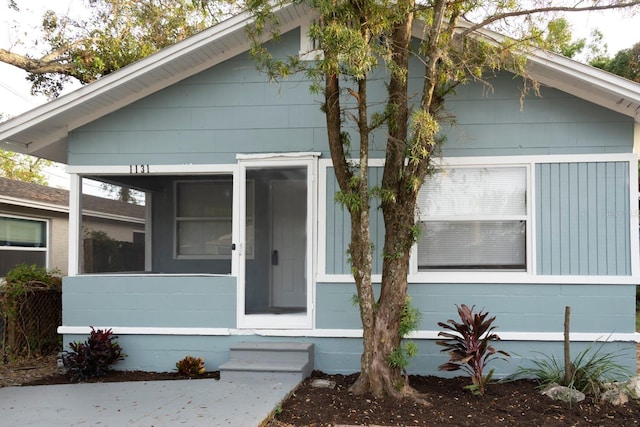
<point x="43" y="131"/>
<point x="18" y="193"/>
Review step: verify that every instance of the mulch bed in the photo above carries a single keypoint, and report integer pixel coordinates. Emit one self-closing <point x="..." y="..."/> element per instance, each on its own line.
<point x="121" y="376"/>
<point x="515" y="403"/>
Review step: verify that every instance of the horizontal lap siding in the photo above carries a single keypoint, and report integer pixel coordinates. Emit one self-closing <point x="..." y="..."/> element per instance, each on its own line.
<point x="208" y="118"/>
<point x="497" y="121"/>
<point x="153" y="301"/>
<point x="518" y="307"/>
<point x="582" y="218"/>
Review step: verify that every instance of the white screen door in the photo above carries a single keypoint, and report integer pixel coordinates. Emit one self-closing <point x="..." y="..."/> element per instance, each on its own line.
<point x="275" y="277"/>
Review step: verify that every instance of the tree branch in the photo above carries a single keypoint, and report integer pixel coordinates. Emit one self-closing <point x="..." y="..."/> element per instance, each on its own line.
<point x="502" y="16"/>
<point x="37" y="66"/>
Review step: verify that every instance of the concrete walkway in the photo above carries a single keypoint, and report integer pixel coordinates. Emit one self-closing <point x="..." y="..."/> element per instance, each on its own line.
<point x="155" y="403"/>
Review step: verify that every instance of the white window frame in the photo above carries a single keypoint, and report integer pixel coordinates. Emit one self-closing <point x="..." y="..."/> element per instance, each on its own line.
<point x="47" y="235"/>
<point x="487" y="276"/>
<point x="177" y="219"/>
<point x="231" y="218"/>
<point x="526" y="216"/>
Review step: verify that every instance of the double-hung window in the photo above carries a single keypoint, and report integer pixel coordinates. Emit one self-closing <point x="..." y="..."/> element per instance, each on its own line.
<point x="204" y="218"/>
<point x="473" y="218"/>
<point x="22" y="240"/>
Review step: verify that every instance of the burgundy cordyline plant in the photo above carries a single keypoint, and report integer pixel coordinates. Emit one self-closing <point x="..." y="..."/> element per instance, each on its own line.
<point x="468" y="346"/>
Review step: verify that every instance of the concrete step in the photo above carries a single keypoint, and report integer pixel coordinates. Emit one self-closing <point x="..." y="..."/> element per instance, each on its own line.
<point x="248" y="359"/>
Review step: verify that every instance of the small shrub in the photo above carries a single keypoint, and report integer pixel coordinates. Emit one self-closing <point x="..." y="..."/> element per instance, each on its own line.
<point x="94" y="357"/>
<point x="469" y="346"/>
<point x="592" y="368"/>
<point x="190" y="366"/>
<point x="409" y="322"/>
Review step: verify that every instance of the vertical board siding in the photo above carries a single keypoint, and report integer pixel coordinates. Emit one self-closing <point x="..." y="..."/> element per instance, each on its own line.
<point x="582" y="218"/>
<point x="339" y="227"/>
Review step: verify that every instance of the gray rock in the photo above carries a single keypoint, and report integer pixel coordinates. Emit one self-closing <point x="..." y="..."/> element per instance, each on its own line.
<point x="633" y="385"/>
<point x="562" y="393"/>
<point x="619" y="393"/>
<point x="320" y="383"/>
<point x="616" y="396"/>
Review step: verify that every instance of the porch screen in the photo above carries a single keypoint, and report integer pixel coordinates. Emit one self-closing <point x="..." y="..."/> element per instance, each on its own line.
<point x="473" y="218"/>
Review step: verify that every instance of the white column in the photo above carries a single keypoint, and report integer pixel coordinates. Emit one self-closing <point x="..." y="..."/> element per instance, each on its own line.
<point x="75" y="224"/>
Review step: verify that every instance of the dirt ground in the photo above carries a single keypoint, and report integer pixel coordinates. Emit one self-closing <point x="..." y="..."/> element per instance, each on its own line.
<point x="511" y="404"/>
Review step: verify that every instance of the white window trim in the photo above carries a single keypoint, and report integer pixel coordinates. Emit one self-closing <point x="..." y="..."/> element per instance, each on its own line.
<point x="75" y="200"/>
<point x="500" y="277"/>
<point x="177" y="220"/>
<point x="46" y="249"/>
<point x="527" y="217"/>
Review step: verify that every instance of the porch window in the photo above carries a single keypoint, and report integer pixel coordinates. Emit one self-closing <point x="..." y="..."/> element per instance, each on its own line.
<point x="22" y="240"/>
<point x="204" y="218"/>
<point x="473" y="218"/>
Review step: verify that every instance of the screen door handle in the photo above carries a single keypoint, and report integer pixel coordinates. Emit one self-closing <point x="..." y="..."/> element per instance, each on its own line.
<point x="274" y="257"/>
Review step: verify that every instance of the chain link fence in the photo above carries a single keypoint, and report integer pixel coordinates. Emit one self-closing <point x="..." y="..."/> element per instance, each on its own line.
<point x="30" y="316"/>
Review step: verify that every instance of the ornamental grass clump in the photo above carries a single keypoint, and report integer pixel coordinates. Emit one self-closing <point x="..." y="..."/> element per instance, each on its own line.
<point x="468" y="346"/>
<point x="190" y="366"/>
<point x="588" y="372"/>
<point x="94" y="357"/>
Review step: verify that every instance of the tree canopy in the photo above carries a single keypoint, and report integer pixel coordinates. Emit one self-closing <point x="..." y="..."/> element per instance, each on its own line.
<point x="114" y="33"/>
<point x="625" y="63"/>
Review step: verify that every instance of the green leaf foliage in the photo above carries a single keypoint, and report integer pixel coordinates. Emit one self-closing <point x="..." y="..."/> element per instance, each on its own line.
<point x="591" y="369"/>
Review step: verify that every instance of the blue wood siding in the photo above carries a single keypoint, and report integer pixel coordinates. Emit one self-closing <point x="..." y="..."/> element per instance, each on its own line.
<point x="518" y="307"/>
<point x="177" y="301"/>
<point x="491" y="121"/>
<point x="150" y="301"/>
<point x="582" y="218"/>
<point x="339" y="227"/>
<point x="208" y="118"/>
<point x="232" y="108"/>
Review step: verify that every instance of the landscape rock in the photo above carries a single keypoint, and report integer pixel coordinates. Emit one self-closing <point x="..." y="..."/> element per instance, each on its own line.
<point x="562" y="393"/>
<point x="633" y="385"/>
<point x="617" y="396"/>
<point x="320" y="383"/>
<point x="619" y="393"/>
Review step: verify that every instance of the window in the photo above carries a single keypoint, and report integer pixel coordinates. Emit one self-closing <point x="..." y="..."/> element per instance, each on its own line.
<point x="204" y="218"/>
<point x="473" y="218"/>
<point x="22" y="240"/>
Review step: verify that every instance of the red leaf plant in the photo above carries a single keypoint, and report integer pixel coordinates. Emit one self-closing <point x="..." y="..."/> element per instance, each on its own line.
<point x="468" y="346"/>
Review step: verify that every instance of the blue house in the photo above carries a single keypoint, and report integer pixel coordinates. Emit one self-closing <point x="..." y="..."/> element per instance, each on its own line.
<point x="534" y="207"/>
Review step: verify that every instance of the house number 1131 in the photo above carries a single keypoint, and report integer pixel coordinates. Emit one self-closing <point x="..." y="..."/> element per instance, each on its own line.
<point x="138" y="169"/>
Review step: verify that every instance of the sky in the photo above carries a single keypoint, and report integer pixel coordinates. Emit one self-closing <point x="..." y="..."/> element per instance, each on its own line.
<point x="620" y="31"/>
